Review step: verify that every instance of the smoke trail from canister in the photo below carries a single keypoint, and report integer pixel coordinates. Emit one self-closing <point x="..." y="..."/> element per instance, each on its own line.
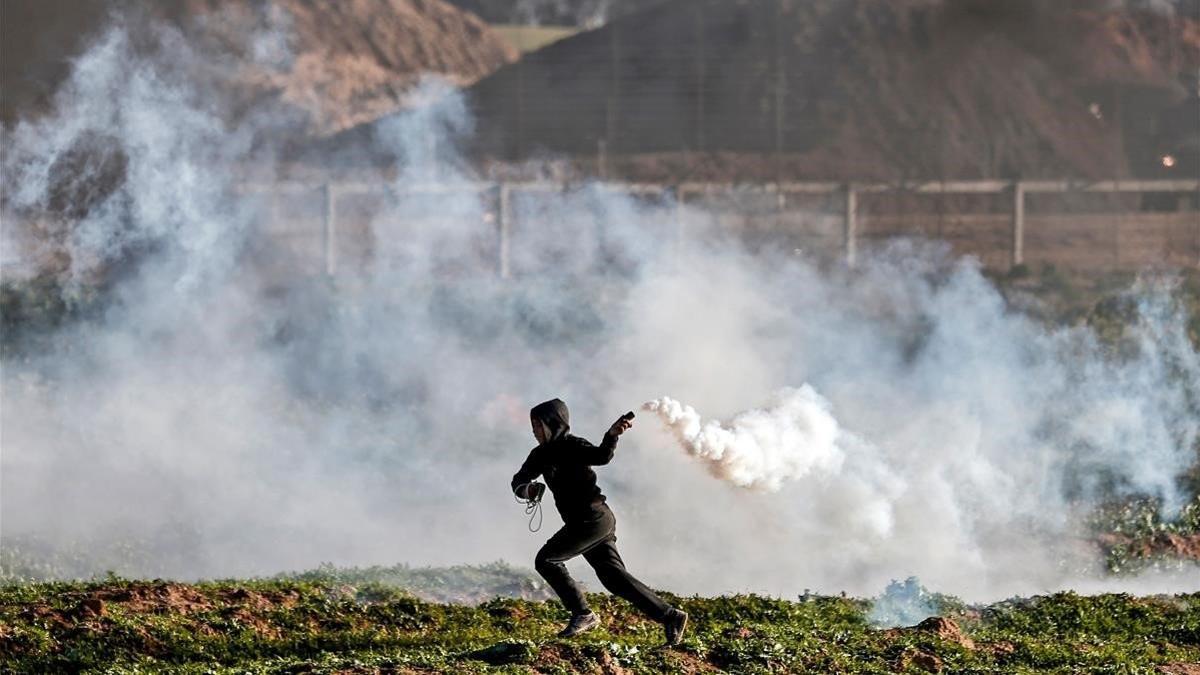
<point x="760" y="449"/>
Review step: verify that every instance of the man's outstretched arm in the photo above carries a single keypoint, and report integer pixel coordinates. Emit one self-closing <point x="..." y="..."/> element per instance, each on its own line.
<point x="597" y="455"/>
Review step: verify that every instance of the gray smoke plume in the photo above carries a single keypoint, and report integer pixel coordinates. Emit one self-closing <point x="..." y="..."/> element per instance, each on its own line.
<point x="236" y="413"/>
<point x="904" y="603"/>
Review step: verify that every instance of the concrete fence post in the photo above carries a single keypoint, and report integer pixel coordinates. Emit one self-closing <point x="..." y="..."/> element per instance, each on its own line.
<point x="850" y="233"/>
<point x="330" y="229"/>
<point x="1018" y="224"/>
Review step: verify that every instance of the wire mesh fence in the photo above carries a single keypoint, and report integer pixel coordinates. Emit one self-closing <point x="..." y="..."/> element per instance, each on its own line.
<point x="337" y="228"/>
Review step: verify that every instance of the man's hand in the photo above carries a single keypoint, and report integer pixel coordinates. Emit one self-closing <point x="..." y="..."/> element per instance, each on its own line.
<point x="623" y="423"/>
<point x="531" y="491"/>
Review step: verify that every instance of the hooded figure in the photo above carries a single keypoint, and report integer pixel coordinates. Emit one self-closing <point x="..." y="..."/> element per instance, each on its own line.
<point x="589" y="526"/>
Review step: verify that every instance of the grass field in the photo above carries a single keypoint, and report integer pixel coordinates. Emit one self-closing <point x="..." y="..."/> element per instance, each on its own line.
<point x="327" y="625"/>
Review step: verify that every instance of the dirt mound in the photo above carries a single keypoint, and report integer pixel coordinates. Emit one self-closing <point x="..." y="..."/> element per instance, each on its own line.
<point x="852" y="89"/>
<point x="946" y="629"/>
<point x="155" y="597"/>
<point x="339" y="63"/>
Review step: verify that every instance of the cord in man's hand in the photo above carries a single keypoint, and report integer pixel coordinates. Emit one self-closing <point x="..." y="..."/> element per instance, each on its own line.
<point x="533" y="502"/>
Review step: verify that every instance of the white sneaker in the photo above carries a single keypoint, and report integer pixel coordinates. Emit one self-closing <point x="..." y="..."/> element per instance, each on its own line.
<point x="580" y="623"/>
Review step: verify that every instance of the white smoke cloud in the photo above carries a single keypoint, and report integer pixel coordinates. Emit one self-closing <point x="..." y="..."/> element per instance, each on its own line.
<point x="587" y="14"/>
<point x="761" y="449"/>
<point x="235" y="412"/>
<point x="970" y="440"/>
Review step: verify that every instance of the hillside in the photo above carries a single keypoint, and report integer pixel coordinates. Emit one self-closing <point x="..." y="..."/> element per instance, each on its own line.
<point x="851" y="88"/>
<point x="577" y="13"/>
<point x="337" y="62"/>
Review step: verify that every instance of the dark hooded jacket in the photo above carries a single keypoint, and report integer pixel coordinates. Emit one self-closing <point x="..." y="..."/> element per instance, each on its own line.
<point x="566" y="462"/>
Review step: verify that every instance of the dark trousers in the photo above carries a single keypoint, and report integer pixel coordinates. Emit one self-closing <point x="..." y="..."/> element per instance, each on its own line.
<point x="596" y="541"/>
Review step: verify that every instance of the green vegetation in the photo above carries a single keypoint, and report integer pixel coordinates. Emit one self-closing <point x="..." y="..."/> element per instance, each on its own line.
<point x="25" y="560"/>
<point x="1135" y="535"/>
<point x="1102" y="302"/>
<point x="276" y="626"/>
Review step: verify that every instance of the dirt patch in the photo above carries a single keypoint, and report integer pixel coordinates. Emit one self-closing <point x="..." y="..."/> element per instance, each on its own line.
<point x="609" y="665"/>
<point x="553" y="658"/>
<point x="1001" y="649"/>
<point x="257" y="623"/>
<point x="258" y="601"/>
<point x="927" y="662"/>
<point x="155" y="597"/>
<point x="92" y="608"/>
<point x="1178" y="545"/>
<point x="1162" y="544"/>
<point x="1179" y="669"/>
<point x="47" y="616"/>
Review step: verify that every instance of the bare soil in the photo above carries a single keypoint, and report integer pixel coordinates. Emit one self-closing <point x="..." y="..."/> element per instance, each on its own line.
<point x="339" y="63"/>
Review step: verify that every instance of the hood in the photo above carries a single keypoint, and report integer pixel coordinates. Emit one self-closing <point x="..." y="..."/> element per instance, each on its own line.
<point x="554" y="415"/>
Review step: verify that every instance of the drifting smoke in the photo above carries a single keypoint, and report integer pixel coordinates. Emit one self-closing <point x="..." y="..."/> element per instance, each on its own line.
<point x="236" y="412"/>
<point x="761" y="449"/>
<point x="587" y="14"/>
<point x="903" y="604"/>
